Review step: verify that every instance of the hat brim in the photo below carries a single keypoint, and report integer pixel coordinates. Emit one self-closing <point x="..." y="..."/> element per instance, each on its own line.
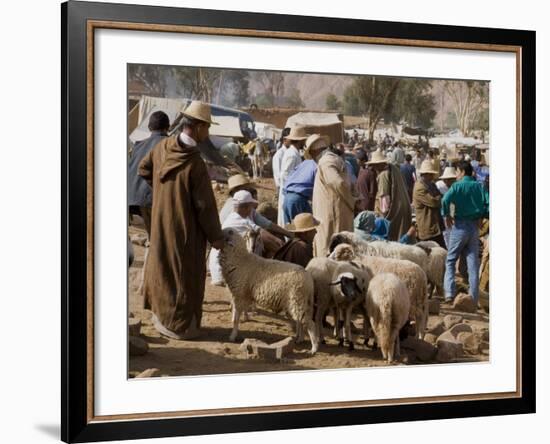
<point x="374" y="162"/>
<point x="252" y="184"/>
<point x="447" y="177"/>
<point x="290" y="227"/>
<point x="428" y="172"/>
<point x="295" y="138"/>
<point x="191" y="116"/>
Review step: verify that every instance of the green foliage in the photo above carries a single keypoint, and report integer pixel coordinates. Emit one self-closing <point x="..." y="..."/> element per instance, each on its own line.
<point x="413" y="104"/>
<point x="352" y="106"/>
<point x="294" y="100"/>
<point x="264" y="100"/>
<point x="332" y="102"/>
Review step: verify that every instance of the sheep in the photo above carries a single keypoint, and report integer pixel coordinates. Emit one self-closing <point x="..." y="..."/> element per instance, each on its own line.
<point x="410" y="273"/>
<point x="387" y="304"/>
<point x="437" y="257"/>
<point x="381" y="248"/>
<point x="342" y="284"/>
<point x="274" y="285"/>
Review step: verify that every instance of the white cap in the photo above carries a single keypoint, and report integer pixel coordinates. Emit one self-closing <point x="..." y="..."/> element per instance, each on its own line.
<point x="243" y="197"/>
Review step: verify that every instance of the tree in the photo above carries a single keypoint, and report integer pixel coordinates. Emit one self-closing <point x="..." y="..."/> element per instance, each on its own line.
<point x="153" y="78"/>
<point x="199" y="83"/>
<point x="351" y="102"/>
<point x="332" y="102"/>
<point x="376" y="98"/>
<point x="272" y="84"/>
<point x="294" y="100"/>
<point x="414" y="103"/>
<point x="469" y="98"/>
<point x="239" y="84"/>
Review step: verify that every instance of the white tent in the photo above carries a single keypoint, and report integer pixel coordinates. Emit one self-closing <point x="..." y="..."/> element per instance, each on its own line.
<point x="227" y="126"/>
<point x="267" y="130"/>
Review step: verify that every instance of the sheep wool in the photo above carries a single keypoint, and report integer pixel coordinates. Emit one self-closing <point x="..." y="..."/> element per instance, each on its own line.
<point x="326" y="272"/>
<point x="410" y="273"/>
<point x="388" y="308"/>
<point x="437" y="257"/>
<point x="387" y="249"/>
<point x="273" y="285"/>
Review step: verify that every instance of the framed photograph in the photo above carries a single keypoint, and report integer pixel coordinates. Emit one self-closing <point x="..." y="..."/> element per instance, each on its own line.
<point x="275" y="221"/>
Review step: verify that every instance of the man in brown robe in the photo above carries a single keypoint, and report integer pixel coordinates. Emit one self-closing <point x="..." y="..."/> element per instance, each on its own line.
<point x="392" y="199"/>
<point x="299" y="250"/>
<point x="184" y="216"/>
<point x="366" y="183"/>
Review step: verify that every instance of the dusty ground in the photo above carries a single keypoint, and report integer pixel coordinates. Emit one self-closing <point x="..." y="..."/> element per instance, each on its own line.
<point x="213" y="354"/>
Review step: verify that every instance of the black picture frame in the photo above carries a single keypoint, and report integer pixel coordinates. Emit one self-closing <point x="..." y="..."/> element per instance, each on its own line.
<point x="76" y="423"/>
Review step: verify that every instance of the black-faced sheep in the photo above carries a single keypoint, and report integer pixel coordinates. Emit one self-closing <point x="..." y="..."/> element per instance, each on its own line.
<point x="274" y="285"/>
<point x="410" y="273"/>
<point x="341" y="284"/>
<point x="387" y="305"/>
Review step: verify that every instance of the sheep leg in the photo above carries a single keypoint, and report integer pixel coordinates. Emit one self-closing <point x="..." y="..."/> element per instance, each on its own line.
<point x="313" y="335"/>
<point x="319" y="316"/>
<point x="341" y="320"/>
<point x="236" y="316"/>
<point x="347" y="330"/>
<point x="299" y="332"/>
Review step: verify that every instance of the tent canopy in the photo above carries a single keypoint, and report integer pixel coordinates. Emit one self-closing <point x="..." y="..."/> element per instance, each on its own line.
<point x="326" y="124"/>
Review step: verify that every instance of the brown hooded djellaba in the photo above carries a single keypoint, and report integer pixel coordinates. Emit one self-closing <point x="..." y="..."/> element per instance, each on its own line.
<point x="184" y="216"/>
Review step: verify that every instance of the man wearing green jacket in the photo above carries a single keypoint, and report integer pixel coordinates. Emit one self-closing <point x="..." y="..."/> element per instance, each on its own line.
<point x="471" y="203"/>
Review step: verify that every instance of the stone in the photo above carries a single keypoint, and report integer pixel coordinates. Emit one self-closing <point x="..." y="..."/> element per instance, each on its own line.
<point x="430" y="338"/>
<point x="437" y="329"/>
<point x="448" y="348"/>
<point x="137" y="346"/>
<point x="460" y="328"/>
<point x="484" y="347"/>
<point x="469" y="342"/>
<point x="255" y="348"/>
<point x="464" y="302"/>
<point x="434" y="305"/>
<point x="134" y="327"/>
<point x="423" y="350"/>
<point x="139" y="239"/>
<point x="450" y="320"/>
<point x="149" y="373"/>
<point x="484" y="300"/>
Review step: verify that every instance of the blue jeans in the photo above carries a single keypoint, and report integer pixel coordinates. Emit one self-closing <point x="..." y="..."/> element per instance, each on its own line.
<point x="463" y="240"/>
<point x="293" y="205"/>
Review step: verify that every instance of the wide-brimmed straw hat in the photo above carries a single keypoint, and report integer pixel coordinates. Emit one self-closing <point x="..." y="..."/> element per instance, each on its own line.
<point x="238" y="180"/>
<point x="199" y="111"/>
<point x="428" y="167"/>
<point x="377" y="157"/>
<point x="297" y="132"/>
<point x="303" y="222"/>
<point x="315" y="142"/>
<point x="448" y="173"/>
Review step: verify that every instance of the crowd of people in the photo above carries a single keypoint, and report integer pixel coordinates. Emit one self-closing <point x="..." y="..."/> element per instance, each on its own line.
<point x="379" y="191"/>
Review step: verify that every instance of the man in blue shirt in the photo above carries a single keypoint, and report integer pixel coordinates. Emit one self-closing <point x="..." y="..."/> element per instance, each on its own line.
<point x="471" y="203"/>
<point x="299" y="184"/>
<point x="140" y="194"/>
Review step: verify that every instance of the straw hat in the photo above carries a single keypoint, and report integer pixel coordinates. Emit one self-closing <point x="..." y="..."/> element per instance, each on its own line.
<point x="377" y="157"/>
<point x="297" y="133"/>
<point x="449" y="173"/>
<point x="238" y="180"/>
<point x="427" y="167"/>
<point x="315" y="142"/>
<point x="303" y="222"/>
<point x="199" y="111"/>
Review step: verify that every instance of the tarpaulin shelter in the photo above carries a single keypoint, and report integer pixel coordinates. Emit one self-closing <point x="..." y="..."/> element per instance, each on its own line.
<point x="326" y="124"/>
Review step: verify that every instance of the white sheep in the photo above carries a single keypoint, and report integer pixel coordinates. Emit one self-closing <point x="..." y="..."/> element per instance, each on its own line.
<point x="410" y="273"/>
<point x="381" y="248"/>
<point x="341" y="284"/>
<point x="388" y="308"/>
<point x="274" y="285"/>
<point x="437" y="257"/>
